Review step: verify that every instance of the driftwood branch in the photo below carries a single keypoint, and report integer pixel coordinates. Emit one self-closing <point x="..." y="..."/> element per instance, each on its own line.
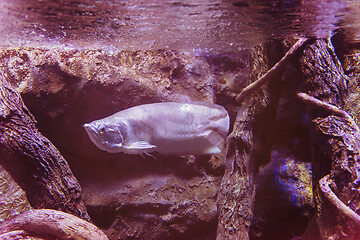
<point x="236" y="195"/>
<point x="50" y="224"/>
<point x="32" y="160"/>
<point x="327" y="107"/>
<point x="341" y="148"/>
<point x="324" y="184"/>
<point x="17" y="234"/>
<point x="279" y="66"/>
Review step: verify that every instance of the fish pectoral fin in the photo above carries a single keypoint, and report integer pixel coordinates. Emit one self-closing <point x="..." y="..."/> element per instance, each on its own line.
<point x="140" y="145"/>
<point x="216" y="140"/>
<point x="119" y="145"/>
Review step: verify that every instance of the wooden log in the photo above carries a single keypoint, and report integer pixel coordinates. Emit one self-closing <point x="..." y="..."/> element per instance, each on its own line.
<point x="327" y="107"/>
<point x="236" y="196"/>
<point x="334" y="141"/>
<point x="324" y="184"/>
<point x="237" y="191"/>
<point x="32" y="160"/>
<point x="337" y="194"/>
<point x="49" y="224"/>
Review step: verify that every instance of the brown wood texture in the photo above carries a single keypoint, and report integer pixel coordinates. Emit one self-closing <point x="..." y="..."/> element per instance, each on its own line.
<point x="237" y="192"/>
<point x="32" y="160"/>
<point x="272" y="72"/>
<point x="335" y="138"/>
<point x="49" y="224"/>
<point x="336" y="152"/>
<point x="236" y="196"/>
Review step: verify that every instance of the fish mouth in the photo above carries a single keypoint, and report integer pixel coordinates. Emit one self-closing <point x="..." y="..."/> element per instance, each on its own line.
<point x="89" y="128"/>
<point x="91" y="131"/>
<point x="95" y="137"/>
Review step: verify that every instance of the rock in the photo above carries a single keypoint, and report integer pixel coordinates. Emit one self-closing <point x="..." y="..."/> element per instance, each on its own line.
<point x="128" y="196"/>
<point x="284" y="203"/>
<point x="155" y="207"/>
<point x="13" y="199"/>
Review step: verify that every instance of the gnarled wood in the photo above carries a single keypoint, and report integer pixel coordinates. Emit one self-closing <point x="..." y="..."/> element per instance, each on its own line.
<point x="348" y="146"/>
<point x="236" y="196"/>
<point x="237" y="191"/>
<point x="33" y="161"/>
<point x="328" y="107"/>
<point x="335" y="145"/>
<point x="324" y="184"/>
<point x="49" y="224"/>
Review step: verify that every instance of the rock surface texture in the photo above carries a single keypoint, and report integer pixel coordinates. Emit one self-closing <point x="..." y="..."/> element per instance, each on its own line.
<point x="128" y="196"/>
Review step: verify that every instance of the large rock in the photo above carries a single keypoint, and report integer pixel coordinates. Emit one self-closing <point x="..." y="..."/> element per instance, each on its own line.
<point x="128" y="196"/>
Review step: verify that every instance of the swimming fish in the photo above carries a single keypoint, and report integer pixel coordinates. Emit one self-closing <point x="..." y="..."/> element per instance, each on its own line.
<point x="169" y="128"/>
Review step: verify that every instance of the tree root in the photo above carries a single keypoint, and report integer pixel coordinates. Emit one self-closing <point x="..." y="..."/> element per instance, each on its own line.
<point x="324" y="185"/>
<point x="17" y="234"/>
<point x="329" y="108"/>
<point x="325" y="182"/>
<point x="32" y="160"/>
<point x="273" y="71"/>
<point x="49" y="224"/>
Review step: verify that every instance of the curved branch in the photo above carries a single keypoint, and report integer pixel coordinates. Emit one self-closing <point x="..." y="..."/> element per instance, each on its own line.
<point x="17" y="234"/>
<point x="46" y="222"/>
<point x="324" y="184"/>
<point x="273" y="71"/>
<point x="32" y="160"/>
<point x="328" y="107"/>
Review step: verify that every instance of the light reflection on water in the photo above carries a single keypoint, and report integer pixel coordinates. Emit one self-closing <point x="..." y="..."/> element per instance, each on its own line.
<point x="218" y="25"/>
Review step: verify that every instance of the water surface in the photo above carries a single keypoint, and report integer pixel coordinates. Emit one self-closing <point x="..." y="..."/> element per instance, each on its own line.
<point x="205" y="25"/>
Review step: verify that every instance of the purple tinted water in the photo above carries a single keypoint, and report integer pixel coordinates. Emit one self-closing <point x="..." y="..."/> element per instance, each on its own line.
<point x="205" y="25"/>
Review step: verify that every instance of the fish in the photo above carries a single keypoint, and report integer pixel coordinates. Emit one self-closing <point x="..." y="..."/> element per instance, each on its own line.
<point x="169" y="128"/>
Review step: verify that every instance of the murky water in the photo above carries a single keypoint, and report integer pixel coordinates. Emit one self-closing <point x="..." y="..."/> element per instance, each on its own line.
<point x="205" y="25"/>
<point x="199" y="25"/>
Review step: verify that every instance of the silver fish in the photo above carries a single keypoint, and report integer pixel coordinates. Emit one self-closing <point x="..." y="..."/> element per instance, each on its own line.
<point x="169" y="128"/>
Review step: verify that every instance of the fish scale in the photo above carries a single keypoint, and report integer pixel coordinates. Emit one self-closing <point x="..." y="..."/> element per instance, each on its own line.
<point x="169" y="128"/>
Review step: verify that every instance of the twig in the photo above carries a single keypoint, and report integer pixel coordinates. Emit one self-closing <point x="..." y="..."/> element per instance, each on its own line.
<point x="328" y="107"/>
<point x="324" y="184"/>
<point x="274" y="70"/>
